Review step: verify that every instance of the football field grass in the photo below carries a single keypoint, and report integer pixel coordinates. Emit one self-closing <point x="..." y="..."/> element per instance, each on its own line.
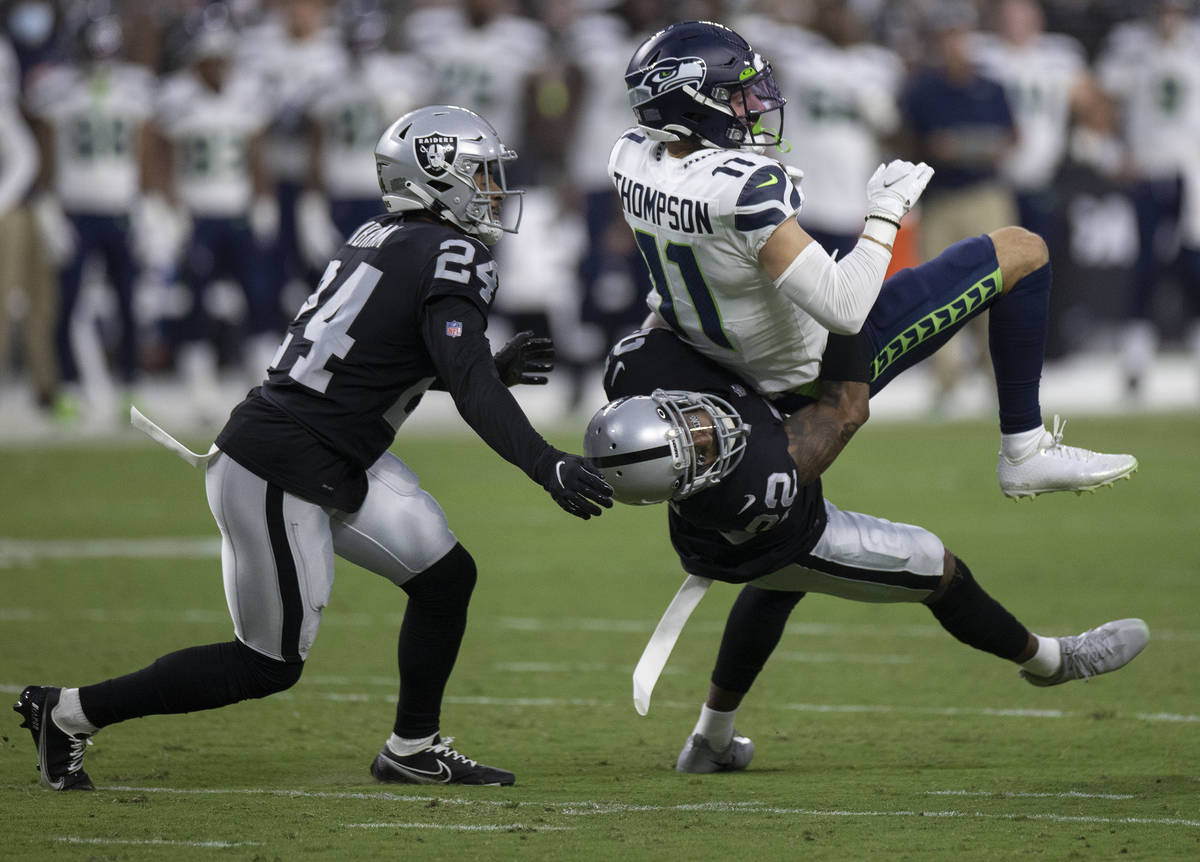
<point x="878" y="735"/>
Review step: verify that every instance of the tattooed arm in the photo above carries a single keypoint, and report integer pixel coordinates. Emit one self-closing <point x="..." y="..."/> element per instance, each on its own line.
<point x="818" y="433"/>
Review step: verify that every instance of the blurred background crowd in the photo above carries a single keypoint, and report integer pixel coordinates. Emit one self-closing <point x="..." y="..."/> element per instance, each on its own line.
<point x="174" y="174"/>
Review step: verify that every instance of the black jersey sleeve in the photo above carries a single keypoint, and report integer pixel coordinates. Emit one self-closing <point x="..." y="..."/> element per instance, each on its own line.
<point x="453" y="329"/>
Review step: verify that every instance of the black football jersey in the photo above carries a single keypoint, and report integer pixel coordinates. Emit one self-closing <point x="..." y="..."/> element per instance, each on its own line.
<point x="356" y="359"/>
<point x="758" y="519"/>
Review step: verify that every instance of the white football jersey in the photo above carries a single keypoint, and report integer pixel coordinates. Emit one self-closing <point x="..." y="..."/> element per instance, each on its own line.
<point x="291" y="71"/>
<point x="210" y="133"/>
<point x="700" y="223"/>
<point x="353" y="110"/>
<point x="482" y="69"/>
<point x="97" y="114"/>
<point x="1158" y="83"/>
<point x="840" y="101"/>
<point x="1037" y="78"/>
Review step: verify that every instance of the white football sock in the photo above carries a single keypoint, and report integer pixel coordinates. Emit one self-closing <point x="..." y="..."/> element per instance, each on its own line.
<point x="1047" y="660"/>
<point x="1014" y="447"/>
<point x="68" y="714"/>
<point x="716" y="727"/>
<point x="402" y="747"/>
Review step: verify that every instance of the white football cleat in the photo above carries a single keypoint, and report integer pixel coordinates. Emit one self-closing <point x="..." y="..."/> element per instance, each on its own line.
<point x="699" y="757"/>
<point x="1052" y="466"/>
<point x="1100" y="650"/>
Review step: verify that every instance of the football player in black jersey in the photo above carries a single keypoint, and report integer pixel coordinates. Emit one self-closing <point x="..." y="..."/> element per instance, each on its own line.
<point x="301" y="472"/>
<point x="746" y="507"/>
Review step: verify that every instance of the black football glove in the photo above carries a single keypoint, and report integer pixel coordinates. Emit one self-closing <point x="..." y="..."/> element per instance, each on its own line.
<point x="573" y="484"/>
<point x="525" y="359"/>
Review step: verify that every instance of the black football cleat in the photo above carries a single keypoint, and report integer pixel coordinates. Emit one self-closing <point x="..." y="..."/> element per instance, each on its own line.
<point x="60" y="755"/>
<point x="439" y="763"/>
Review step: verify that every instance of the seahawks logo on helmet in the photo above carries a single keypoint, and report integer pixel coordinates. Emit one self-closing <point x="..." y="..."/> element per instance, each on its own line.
<point x="667" y="74"/>
<point x="435" y="153"/>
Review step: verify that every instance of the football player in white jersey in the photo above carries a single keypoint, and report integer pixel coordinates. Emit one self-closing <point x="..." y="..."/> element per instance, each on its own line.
<point x="346" y="117"/>
<point x="292" y="52"/>
<point x="479" y="56"/>
<point x="842" y="93"/>
<point x="1152" y="67"/>
<point x="209" y="127"/>
<point x="741" y="282"/>
<point x="1044" y="77"/>
<point x="90" y="121"/>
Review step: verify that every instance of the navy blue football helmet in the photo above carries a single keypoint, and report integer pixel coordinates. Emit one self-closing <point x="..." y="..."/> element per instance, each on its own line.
<point x="702" y="82"/>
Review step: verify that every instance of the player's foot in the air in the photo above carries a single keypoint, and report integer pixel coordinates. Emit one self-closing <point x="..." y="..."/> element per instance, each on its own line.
<point x="698" y="755"/>
<point x="60" y="755"/>
<point x="438" y="763"/>
<point x="1100" y="650"/>
<point x="1049" y="465"/>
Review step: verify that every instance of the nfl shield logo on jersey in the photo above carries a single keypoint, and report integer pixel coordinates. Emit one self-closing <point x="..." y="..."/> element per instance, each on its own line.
<point x="435" y="153"/>
<point x="454" y="328"/>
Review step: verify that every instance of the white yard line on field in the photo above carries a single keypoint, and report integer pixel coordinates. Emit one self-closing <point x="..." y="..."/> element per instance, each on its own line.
<point x="1014" y="794"/>
<point x="307" y="692"/>
<point x="593" y="808"/>
<point x="463" y="827"/>
<point x="156" y="842"/>
<point x="22" y="552"/>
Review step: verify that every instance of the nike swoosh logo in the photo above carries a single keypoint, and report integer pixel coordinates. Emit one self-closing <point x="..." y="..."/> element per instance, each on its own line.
<point x="892" y="183"/>
<point x="558" y="473"/>
<point x="617" y="369"/>
<point x="441" y="776"/>
<point x="749" y="503"/>
<point x="774" y="179"/>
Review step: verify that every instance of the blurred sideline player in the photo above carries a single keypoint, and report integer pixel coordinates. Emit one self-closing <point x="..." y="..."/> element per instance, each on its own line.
<point x="292" y="51"/>
<point x="301" y="471"/>
<point x="1152" y="68"/>
<point x="91" y="124"/>
<point x="746" y="510"/>
<point x="737" y="277"/>
<point x="208" y="131"/>
<point x="842" y="93"/>
<point x="958" y="119"/>
<point x="346" y="117"/>
<point x="23" y="265"/>
<point x="1045" y="78"/>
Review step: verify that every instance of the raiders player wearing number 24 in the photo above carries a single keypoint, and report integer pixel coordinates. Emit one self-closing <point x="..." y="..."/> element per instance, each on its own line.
<point x="301" y="472"/>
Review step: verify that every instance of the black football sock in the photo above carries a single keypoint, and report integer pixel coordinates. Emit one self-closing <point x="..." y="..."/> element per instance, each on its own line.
<point x="753" y="628"/>
<point x="192" y="679"/>
<point x="432" y="631"/>
<point x="978" y="620"/>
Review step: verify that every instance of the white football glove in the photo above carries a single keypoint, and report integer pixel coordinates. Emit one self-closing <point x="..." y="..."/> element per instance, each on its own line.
<point x="319" y="236"/>
<point x="895" y="187"/>
<point x="55" y="230"/>
<point x="264" y="219"/>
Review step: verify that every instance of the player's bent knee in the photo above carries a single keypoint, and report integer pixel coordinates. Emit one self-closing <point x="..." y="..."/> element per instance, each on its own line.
<point x="450" y="580"/>
<point x="1019" y="253"/>
<point x="262" y="675"/>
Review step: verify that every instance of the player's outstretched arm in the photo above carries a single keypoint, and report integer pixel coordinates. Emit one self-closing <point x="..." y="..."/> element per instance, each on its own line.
<point x="839" y="295"/>
<point x="453" y="331"/>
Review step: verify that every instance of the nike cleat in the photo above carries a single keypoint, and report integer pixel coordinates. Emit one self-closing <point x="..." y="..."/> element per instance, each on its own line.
<point x="1100" y="650"/>
<point x="60" y="755"/>
<point x="1052" y="466"/>
<point x="698" y="756"/>
<point x="439" y="763"/>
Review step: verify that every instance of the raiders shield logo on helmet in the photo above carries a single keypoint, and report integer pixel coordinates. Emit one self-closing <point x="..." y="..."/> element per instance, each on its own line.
<point x="435" y="153"/>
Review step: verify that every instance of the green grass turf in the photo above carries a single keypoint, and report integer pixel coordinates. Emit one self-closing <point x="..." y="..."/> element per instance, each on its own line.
<point x="878" y="735"/>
